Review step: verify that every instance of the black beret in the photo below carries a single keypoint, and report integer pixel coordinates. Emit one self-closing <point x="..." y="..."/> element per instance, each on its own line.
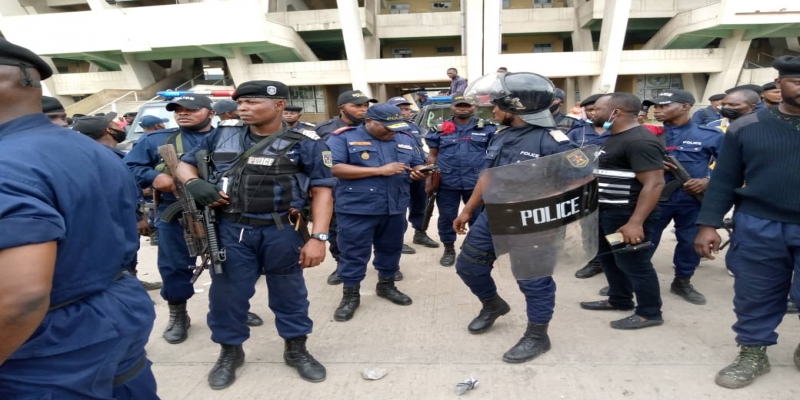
<point x="293" y="108"/>
<point x="769" y="86"/>
<point x="265" y="89"/>
<point x="51" y="105"/>
<point x="11" y="54"/>
<point x="787" y="66"/>
<point x="756" y="88"/>
<point x="591" y="99"/>
<point x="717" y="97"/>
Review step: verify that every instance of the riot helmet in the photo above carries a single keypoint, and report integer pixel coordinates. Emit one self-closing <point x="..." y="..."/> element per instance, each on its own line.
<point x="525" y="94"/>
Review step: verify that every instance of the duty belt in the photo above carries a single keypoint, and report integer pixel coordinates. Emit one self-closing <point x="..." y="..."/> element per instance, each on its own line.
<point x="68" y="302"/>
<point x="240" y="219"/>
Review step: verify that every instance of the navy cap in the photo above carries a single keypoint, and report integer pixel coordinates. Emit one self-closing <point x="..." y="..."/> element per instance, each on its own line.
<point x="11" y="54"/>
<point x="787" y="66"/>
<point x="769" y="86"/>
<point x="93" y="126"/>
<point x="51" y="105"/>
<point x="149" y="121"/>
<point x="398" y="100"/>
<point x="670" y="96"/>
<point x="223" y="106"/>
<point x="293" y="108"/>
<point x="459" y="98"/>
<point x="717" y="97"/>
<point x="262" y="89"/>
<point x="422" y="93"/>
<point x="389" y="116"/>
<point x="591" y="99"/>
<point x="354" y="97"/>
<point x="756" y="88"/>
<point x="192" y="102"/>
<point x="560" y="94"/>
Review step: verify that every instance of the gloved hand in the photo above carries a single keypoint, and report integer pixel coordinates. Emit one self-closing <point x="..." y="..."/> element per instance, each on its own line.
<point x="204" y="192"/>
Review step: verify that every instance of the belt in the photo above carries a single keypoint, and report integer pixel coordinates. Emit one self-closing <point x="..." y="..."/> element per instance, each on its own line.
<point x="240" y="219"/>
<point x="120" y="379"/>
<point x="68" y="302"/>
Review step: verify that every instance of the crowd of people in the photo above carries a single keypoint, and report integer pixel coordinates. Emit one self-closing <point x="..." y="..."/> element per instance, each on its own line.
<point x="75" y="319"/>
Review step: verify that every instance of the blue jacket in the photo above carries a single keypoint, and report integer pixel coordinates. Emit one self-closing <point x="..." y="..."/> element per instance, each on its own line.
<point x="376" y="195"/>
<point x="695" y="146"/>
<point x="585" y="135"/>
<point x="706" y="115"/>
<point x="522" y="143"/>
<point x="461" y="153"/>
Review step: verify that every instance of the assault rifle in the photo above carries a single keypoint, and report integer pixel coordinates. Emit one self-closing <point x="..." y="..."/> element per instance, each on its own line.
<point x="681" y="177"/>
<point x="199" y="226"/>
<point x="435" y="180"/>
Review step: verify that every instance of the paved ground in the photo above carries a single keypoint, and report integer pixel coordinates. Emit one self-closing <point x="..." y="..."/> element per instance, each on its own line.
<point x="426" y="348"/>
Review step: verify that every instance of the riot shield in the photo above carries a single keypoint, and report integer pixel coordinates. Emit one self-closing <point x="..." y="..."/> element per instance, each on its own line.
<point x="543" y="213"/>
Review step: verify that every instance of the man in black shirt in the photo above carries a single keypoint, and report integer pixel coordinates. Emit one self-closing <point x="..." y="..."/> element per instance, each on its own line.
<point x="631" y="177"/>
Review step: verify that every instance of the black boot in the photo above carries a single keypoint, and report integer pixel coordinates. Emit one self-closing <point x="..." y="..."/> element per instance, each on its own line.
<point x="591" y="269"/>
<point x="388" y="290"/>
<point x="178" y="325"/>
<point x="295" y="355"/>
<point x="254" y="320"/>
<point x="493" y="308"/>
<point x="420" y="237"/>
<point x="408" y="249"/>
<point x="534" y="343"/>
<point x="449" y="256"/>
<point x="333" y="278"/>
<point x="223" y="374"/>
<point x="351" y="299"/>
<point x="682" y="287"/>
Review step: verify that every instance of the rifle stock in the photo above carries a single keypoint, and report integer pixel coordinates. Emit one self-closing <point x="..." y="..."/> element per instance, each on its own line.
<point x="426" y="219"/>
<point x="681" y="175"/>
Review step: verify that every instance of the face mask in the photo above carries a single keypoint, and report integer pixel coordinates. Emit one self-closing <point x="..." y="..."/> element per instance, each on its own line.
<point x="119" y="135"/>
<point x="197" y="127"/>
<point x="357" y="121"/>
<point x="554" y="108"/>
<point x="729" y="113"/>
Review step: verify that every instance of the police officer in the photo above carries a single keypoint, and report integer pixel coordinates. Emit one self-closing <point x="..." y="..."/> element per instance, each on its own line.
<point x="193" y="114"/>
<point x="226" y="110"/>
<point x="522" y="103"/>
<point x="771" y="95"/>
<point x="752" y="173"/>
<point x="735" y="105"/>
<point x="459" y="149"/>
<point x="373" y="164"/>
<point x="74" y="326"/>
<point x="353" y="106"/>
<point x="710" y="113"/>
<point x="151" y="123"/>
<point x="588" y="134"/>
<point x="263" y="175"/>
<point x="419" y="199"/>
<point x="694" y="146"/>
<point x="755" y="88"/>
<point x="53" y="109"/>
<point x="563" y="122"/>
<point x="291" y="116"/>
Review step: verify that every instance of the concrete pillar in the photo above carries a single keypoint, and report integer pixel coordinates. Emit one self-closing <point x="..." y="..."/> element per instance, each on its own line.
<point x="735" y="53"/>
<point x="49" y="85"/>
<point x="380" y="92"/>
<point x="137" y="73"/>
<point x="473" y="12"/>
<point x="238" y="66"/>
<point x="695" y="84"/>
<point x="93" y="67"/>
<point x="569" y="89"/>
<point x="354" y="44"/>
<point x="492" y="35"/>
<point x="612" y="37"/>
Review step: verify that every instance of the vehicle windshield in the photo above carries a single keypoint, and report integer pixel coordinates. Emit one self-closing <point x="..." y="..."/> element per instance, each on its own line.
<point x="157" y="109"/>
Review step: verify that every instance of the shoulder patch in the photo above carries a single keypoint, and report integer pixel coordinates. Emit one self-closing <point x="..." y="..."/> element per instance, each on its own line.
<point x="327" y="159"/>
<point x="231" y="122"/>
<point x="309" y="124"/>
<point x="559" y="136"/>
<point x="310" y="134"/>
<point x="343" y="129"/>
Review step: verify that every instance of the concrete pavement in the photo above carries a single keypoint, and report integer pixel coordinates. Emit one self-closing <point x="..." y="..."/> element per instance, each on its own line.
<point x="426" y="348"/>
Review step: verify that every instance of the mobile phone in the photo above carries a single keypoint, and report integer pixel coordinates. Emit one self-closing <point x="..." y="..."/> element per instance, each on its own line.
<point x="431" y="168"/>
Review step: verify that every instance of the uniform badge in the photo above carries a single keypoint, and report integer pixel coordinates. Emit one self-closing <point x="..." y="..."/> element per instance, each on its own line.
<point x="271" y="90"/>
<point x="360" y="143"/>
<point x="577" y="158"/>
<point x="365" y="155"/>
<point x="405" y="146"/>
<point x="327" y="159"/>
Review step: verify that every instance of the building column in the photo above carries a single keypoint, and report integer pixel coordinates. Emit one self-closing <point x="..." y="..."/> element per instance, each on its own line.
<point x="137" y="73"/>
<point x="238" y="66"/>
<point x="569" y="89"/>
<point x="695" y="84"/>
<point x="735" y="53"/>
<point x="612" y="37"/>
<point x="473" y="13"/>
<point x="354" y="44"/>
<point x="582" y="41"/>
<point x="492" y="35"/>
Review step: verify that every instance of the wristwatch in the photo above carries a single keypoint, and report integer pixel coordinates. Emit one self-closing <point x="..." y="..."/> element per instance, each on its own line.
<point x="322" y="237"/>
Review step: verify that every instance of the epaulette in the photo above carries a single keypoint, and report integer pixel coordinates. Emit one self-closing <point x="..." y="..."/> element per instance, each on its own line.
<point x="559" y="136"/>
<point x="231" y="122"/>
<point x="709" y="128"/>
<point x="309" y="124"/>
<point x="343" y="129"/>
<point x="310" y="134"/>
<point x="482" y="122"/>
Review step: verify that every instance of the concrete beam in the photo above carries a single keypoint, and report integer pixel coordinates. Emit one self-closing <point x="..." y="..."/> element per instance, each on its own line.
<point x="354" y="43"/>
<point x="104" y="58"/>
<point x="612" y="37"/>
<point x="218" y="50"/>
<point x="735" y="53"/>
<point x="137" y="73"/>
<point x="765" y="30"/>
<point x="238" y="66"/>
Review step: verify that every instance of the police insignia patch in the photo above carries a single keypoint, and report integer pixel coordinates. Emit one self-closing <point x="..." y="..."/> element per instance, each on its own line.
<point x="310" y="134"/>
<point x="577" y="158"/>
<point x="327" y="159"/>
<point x="271" y="90"/>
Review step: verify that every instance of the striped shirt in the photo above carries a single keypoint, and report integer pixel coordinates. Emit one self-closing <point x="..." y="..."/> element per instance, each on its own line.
<point x="621" y="157"/>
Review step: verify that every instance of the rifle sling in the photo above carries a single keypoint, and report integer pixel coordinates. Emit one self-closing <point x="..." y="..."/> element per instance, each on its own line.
<point x="263" y="144"/>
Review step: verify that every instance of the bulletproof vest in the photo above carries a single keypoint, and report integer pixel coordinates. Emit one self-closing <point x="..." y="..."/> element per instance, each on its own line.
<point x="525" y="146"/>
<point x="176" y="136"/>
<point x="264" y="182"/>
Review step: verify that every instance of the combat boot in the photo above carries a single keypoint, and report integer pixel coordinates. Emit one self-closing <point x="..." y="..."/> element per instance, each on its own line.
<point x="682" y="287"/>
<point x="388" y="290"/>
<point x="333" y="278"/>
<point x="351" y="299"/>
<point x="254" y="320"/>
<point x="223" y="374"/>
<point x="534" y="343"/>
<point x="493" y="308"/>
<point x="295" y="355"/>
<point x="751" y="362"/>
<point x="420" y="237"/>
<point x="178" y="325"/>
<point x="591" y="269"/>
<point x="449" y="256"/>
<point x="154" y="238"/>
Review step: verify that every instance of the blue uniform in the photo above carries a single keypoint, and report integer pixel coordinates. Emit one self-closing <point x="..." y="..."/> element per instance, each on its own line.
<point x="262" y="241"/>
<point x="705" y="116"/>
<point x="371" y="211"/>
<point x="419" y="199"/>
<point x="100" y="319"/>
<point x="476" y="259"/>
<point x="461" y="159"/>
<point x="584" y="135"/>
<point x="695" y="146"/>
<point x="173" y="255"/>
